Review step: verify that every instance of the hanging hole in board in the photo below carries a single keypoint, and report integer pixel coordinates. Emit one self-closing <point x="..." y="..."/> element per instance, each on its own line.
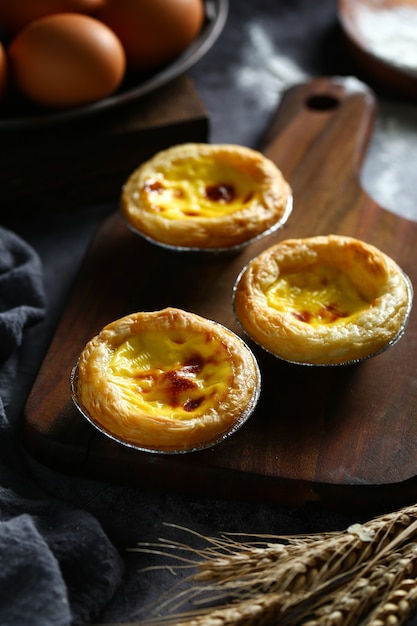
<point x="322" y="102"/>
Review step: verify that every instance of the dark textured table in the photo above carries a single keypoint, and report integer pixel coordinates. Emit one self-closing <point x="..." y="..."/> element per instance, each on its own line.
<point x="265" y="48"/>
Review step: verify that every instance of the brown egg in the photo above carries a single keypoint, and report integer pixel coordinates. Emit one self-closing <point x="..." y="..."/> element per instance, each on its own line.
<point x="3" y="72"/>
<point x="15" y="14"/>
<point x="65" y="60"/>
<point x="153" y="32"/>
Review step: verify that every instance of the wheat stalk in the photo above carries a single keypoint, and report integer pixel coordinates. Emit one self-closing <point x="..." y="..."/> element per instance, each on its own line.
<point x="398" y="606"/>
<point x="363" y="576"/>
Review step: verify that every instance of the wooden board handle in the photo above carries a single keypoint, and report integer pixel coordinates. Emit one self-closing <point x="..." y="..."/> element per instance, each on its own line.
<point x="327" y="121"/>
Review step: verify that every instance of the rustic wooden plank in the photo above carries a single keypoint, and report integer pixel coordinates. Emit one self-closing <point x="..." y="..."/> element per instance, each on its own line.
<point x="72" y="164"/>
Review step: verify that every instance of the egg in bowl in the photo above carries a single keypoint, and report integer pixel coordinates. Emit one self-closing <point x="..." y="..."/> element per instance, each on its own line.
<point x="166" y="381"/>
<point x="206" y="197"/>
<point x="325" y="300"/>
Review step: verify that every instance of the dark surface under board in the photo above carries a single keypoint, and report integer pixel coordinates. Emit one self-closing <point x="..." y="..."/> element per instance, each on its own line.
<point x="347" y="433"/>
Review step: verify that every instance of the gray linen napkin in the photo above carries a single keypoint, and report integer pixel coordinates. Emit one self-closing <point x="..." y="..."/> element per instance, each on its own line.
<point x="57" y="566"/>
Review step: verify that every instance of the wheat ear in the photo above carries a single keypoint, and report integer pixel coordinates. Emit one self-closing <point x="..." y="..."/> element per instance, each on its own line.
<point x="364" y="575"/>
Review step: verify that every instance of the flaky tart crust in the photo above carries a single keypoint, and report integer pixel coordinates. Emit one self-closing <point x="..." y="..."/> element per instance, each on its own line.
<point x="167" y="381"/>
<point x="323" y="300"/>
<point x="205" y="196"/>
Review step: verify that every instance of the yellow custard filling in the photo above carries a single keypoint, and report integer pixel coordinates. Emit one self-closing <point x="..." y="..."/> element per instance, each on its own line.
<point x="173" y="375"/>
<point x="198" y="190"/>
<point x="323" y="295"/>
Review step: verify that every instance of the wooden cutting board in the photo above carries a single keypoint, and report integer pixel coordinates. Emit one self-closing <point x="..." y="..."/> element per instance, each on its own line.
<point x="337" y="436"/>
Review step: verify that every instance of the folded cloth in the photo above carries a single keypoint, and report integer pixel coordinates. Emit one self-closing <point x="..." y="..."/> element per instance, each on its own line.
<point x="58" y="567"/>
<point x="22" y="301"/>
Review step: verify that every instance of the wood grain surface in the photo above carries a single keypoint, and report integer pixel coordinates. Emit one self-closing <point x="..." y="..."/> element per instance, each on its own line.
<point x="336" y="436"/>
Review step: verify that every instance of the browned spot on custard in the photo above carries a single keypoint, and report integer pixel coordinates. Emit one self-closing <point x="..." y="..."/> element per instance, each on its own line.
<point x="171" y="386"/>
<point x="174" y="385"/>
<point x="303" y="316"/>
<point x="154" y="185"/>
<point x="192" y="405"/>
<point x="194" y="364"/>
<point x="177" y="387"/>
<point x="327" y="314"/>
<point x="330" y="313"/>
<point x="221" y="192"/>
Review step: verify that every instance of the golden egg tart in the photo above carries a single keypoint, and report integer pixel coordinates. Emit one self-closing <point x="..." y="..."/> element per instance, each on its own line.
<point x="206" y="197"/>
<point x="324" y="300"/>
<point x="166" y="381"/>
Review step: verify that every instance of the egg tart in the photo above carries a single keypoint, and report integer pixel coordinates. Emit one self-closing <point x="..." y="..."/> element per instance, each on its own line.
<point x="166" y="381"/>
<point x="206" y="196"/>
<point x="323" y="300"/>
